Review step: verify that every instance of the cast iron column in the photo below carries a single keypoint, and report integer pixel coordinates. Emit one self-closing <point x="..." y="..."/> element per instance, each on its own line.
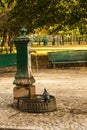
<point x="23" y="76"/>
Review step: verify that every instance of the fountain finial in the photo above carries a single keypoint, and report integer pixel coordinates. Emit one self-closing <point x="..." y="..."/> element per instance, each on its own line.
<point x="23" y="31"/>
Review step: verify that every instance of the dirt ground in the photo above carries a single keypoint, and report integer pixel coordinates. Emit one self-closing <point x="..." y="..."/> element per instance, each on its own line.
<point x="69" y="86"/>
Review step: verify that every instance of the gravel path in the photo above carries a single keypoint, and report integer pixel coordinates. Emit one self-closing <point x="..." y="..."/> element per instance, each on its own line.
<point x="69" y="86"/>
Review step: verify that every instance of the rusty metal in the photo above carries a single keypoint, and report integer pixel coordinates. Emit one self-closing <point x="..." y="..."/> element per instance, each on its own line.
<point x="37" y="104"/>
<point x="24" y="81"/>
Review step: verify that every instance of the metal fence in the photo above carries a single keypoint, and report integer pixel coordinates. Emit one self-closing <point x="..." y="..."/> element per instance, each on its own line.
<point x="8" y="60"/>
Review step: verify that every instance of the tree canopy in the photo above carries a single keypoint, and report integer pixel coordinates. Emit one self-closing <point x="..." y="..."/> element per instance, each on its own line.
<point x="39" y="13"/>
<point x="33" y="14"/>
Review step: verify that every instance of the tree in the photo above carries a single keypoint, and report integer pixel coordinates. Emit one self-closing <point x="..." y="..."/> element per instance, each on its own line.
<point x="34" y="14"/>
<point x="39" y="13"/>
<point x="5" y="25"/>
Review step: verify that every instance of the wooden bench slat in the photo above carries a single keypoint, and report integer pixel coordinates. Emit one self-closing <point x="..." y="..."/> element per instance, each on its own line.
<point x="70" y="62"/>
<point x="76" y="56"/>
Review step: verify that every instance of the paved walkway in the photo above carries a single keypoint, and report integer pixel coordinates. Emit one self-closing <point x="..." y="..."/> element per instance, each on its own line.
<point x="69" y="86"/>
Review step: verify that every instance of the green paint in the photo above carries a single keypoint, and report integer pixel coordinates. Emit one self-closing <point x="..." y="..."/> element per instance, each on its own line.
<point x="76" y="56"/>
<point x="21" y="44"/>
<point x="8" y="60"/>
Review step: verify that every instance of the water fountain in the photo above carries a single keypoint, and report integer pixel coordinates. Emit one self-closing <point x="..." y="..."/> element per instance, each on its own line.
<point x="24" y="93"/>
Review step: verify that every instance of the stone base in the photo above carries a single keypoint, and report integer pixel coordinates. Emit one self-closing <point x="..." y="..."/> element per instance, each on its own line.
<point x="32" y="91"/>
<point x="36" y="104"/>
<point x="24" y="91"/>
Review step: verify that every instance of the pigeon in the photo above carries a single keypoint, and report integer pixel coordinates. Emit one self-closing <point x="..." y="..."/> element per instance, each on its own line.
<point x="46" y="96"/>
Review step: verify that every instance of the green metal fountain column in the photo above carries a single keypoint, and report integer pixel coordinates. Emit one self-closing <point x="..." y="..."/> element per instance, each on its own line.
<point x="23" y="75"/>
<point x="23" y="78"/>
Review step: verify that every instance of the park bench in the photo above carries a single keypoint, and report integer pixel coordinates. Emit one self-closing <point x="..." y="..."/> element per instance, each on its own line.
<point x="63" y="57"/>
<point x="7" y="60"/>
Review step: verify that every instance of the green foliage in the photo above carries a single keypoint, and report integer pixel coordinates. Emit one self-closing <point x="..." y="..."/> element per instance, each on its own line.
<point x="61" y="15"/>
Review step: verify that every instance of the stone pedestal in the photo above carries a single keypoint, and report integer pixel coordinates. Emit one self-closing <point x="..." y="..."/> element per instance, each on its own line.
<point x="32" y="91"/>
<point x="20" y="92"/>
<point x="24" y="91"/>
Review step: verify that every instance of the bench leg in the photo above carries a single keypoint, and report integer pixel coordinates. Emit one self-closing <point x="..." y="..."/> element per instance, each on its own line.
<point x="54" y="65"/>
